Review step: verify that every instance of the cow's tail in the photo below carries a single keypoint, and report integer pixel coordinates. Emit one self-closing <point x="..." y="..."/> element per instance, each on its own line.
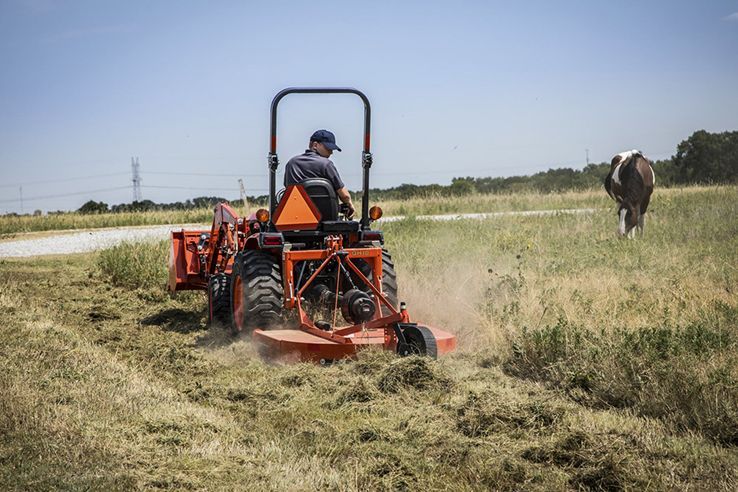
<point x="608" y="185"/>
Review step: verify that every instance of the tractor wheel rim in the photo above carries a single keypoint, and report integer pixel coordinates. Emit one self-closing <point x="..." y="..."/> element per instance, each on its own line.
<point x="238" y="303"/>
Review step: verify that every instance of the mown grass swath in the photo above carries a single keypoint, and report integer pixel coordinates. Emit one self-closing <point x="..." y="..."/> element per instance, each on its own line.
<point x="585" y="362"/>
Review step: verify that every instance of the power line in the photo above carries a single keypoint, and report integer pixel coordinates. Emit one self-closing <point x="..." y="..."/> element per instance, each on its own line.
<point x="62" y="195"/>
<point x="164" y="173"/>
<point x="202" y="188"/>
<point x="60" y="180"/>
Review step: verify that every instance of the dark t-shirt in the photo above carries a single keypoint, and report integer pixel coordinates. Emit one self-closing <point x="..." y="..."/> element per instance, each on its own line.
<point x="311" y="165"/>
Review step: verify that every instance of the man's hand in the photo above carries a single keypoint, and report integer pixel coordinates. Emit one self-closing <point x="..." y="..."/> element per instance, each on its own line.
<point x="345" y="198"/>
<point x="347" y="210"/>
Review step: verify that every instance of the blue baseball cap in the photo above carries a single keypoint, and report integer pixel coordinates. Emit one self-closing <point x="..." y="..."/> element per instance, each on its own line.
<point x="326" y="138"/>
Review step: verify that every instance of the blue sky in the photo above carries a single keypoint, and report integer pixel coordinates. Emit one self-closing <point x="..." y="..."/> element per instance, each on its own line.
<point x="467" y="88"/>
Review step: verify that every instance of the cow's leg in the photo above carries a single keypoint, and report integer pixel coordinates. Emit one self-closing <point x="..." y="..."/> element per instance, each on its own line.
<point x="644" y="208"/>
<point x="621" y="227"/>
<point x="641" y="223"/>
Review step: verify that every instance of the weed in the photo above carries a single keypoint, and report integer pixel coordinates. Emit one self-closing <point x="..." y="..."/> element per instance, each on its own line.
<point x="134" y="265"/>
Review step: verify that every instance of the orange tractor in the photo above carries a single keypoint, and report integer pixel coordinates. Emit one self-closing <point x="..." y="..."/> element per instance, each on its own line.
<point x="292" y="275"/>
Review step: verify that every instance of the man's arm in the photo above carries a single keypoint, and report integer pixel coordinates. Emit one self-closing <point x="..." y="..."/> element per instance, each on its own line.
<point x="345" y="197"/>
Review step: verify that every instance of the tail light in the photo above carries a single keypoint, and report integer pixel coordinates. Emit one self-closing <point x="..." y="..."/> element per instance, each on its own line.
<point x="372" y="236"/>
<point x="271" y="240"/>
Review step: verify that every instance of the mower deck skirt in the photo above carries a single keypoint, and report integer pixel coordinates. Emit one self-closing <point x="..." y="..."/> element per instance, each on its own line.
<point x="298" y="345"/>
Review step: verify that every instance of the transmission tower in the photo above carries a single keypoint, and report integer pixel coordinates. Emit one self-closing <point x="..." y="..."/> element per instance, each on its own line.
<point x="135" y="168"/>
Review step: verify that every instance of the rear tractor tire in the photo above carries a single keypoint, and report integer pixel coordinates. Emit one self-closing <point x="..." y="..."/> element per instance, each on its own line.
<point x="219" y="300"/>
<point x="256" y="292"/>
<point x="389" y="280"/>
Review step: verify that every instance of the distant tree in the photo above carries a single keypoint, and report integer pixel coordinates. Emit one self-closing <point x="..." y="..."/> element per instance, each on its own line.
<point x="595" y="174"/>
<point x="37" y="213"/>
<point x="708" y="157"/>
<point x="143" y="206"/>
<point x="667" y="174"/>
<point x="462" y="186"/>
<point x="93" y="207"/>
<point x="207" y="201"/>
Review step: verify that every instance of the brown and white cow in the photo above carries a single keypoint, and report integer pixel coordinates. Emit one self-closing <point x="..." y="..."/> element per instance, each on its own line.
<point x="630" y="183"/>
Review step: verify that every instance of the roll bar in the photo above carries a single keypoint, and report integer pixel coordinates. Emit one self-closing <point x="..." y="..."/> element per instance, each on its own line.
<point x="366" y="156"/>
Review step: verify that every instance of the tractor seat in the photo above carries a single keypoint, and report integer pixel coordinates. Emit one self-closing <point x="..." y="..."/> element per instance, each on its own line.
<point x="322" y="194"/>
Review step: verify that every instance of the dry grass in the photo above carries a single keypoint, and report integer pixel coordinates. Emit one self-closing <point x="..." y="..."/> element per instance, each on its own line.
<point x="110" y="386"/>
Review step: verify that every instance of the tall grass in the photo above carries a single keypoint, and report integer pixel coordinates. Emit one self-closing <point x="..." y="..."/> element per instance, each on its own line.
<point x="133" y="265"/>
<point x="436" y="204"/>
<point x="563" y="301"/>
<point x="685" y="375"/>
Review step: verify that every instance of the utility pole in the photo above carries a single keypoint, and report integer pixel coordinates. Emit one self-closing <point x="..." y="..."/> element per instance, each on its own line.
<point x="135" y="168"/>
<point x="21" y="198"/>
<point x="587" y="151"/>
<point x="243" y="197"/>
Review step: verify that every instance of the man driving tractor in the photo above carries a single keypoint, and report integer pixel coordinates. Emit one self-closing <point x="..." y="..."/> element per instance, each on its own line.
<point x="315" y="163"/>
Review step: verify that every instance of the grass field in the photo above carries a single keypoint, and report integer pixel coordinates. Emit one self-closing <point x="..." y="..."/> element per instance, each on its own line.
<point x="584" y="362"/>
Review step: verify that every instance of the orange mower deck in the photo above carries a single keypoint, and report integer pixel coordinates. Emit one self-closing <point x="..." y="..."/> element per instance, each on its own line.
<point x="298" y="345"/>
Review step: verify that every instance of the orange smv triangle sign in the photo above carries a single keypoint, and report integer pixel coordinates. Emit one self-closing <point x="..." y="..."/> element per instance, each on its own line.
<point x="296" y="211"/>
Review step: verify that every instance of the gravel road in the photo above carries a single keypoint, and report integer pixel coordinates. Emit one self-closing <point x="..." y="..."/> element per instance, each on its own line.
<point x="68" y="242"/>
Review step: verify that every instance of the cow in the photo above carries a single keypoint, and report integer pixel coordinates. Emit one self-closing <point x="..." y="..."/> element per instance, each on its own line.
<point x="630" y="183"/>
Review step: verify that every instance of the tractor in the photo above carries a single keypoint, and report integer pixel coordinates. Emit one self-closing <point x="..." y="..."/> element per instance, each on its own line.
<point x="304" y="281"/>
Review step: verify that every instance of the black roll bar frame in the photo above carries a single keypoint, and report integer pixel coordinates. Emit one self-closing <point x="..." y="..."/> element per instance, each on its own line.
<point x="366" y="156"/>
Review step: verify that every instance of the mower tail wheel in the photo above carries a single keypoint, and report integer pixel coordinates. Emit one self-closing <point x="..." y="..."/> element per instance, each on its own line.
<point x="256" y="292"/>
<point x="419" y="341"/>
<point x="219" y="299"/>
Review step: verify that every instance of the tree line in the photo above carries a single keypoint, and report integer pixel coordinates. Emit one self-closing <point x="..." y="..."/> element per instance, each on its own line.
<point x="703" y="158"/>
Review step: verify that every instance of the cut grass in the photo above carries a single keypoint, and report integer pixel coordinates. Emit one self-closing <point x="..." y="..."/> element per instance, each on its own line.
<point x="111" y="402"/>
